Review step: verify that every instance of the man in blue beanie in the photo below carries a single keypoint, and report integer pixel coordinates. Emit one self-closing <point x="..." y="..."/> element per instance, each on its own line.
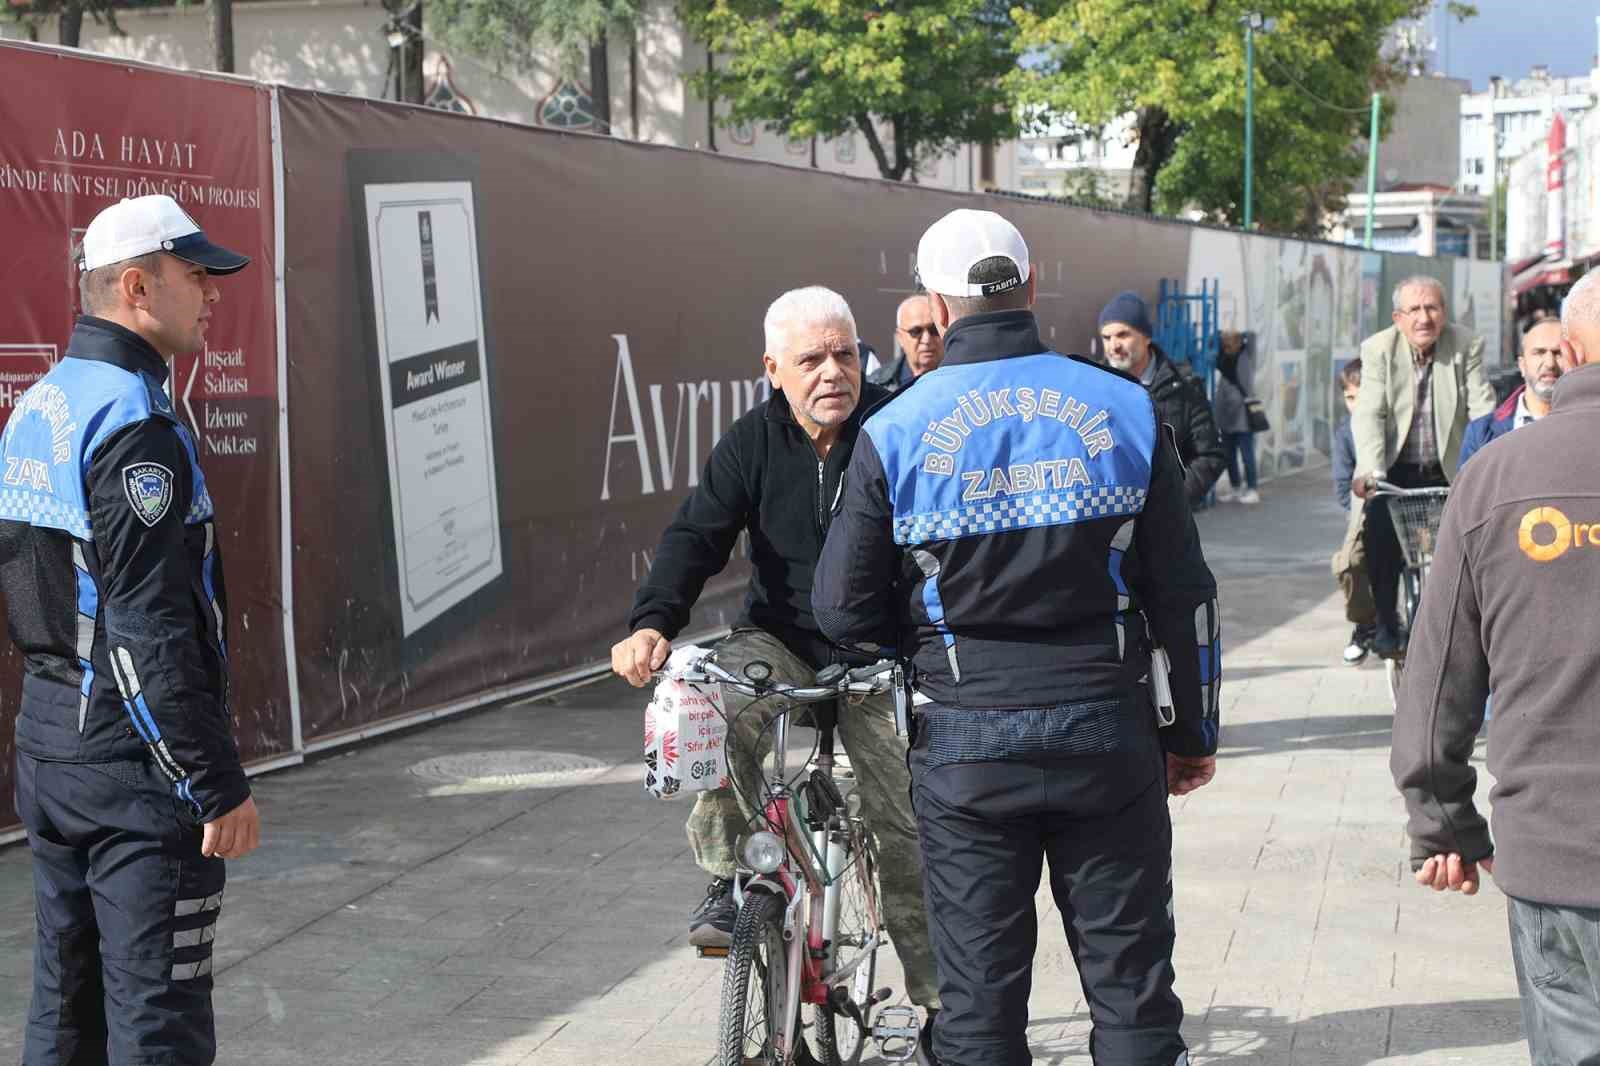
<point x="1180" y="399"/>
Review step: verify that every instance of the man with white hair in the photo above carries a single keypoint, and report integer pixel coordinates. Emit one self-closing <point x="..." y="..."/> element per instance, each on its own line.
<point x="1017" y="526"/>
<point x="1515" y="571"/>
<point x="1422" y="381"/>
<point x="776" y="474"/>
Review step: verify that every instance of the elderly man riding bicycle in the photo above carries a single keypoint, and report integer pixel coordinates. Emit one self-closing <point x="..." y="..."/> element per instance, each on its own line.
<point x="776" y="474"/>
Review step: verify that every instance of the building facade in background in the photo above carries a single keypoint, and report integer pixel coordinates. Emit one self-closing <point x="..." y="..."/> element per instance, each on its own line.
<point x="340" y="46"/>
<point x="1553" y="211"/>
<point x="1091" y="164"/>
<point x="1509" y="118"/>
<point x="1419" y="206"/>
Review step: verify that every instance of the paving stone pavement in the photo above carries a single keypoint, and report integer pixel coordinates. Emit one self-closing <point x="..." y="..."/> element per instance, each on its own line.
<point x="392" y="919"/>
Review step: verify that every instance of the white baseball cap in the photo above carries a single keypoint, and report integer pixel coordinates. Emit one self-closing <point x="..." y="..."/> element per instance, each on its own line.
<point x="146" y="224"/>
<point x="959" y="241"/>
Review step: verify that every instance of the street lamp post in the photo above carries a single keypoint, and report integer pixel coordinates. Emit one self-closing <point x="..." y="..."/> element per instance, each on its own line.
<point x="1252" y="22"/>
<point x="1372" y="170"/>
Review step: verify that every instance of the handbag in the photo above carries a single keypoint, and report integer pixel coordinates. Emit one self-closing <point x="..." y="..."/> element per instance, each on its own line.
<point x="1256" y="415"/>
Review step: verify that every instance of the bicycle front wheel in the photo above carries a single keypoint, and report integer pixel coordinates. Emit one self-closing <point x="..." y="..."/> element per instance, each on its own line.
<point x="841" y="1031"/>
<point x="755" y="986"/>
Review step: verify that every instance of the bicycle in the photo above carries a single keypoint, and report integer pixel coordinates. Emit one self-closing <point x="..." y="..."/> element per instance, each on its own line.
<point x="809" y="924"/>
<point x="1416" y="514"/>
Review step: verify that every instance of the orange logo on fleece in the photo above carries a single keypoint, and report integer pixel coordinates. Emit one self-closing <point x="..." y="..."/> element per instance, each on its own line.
<point x="1563" y="536"/>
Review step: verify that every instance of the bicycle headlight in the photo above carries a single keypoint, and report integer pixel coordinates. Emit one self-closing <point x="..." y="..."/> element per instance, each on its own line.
<point x="763" y="852"/>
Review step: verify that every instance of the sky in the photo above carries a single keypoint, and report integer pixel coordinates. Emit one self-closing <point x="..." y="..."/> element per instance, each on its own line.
<point x="1509" y="37"/>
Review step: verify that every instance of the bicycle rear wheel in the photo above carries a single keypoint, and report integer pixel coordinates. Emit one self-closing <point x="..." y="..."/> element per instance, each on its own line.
<point x="755" y="985"/>
<point x="841" y="1030"/>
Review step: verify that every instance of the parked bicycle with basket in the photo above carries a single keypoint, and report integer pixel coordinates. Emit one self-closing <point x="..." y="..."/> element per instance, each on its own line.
<point x="800" y="971"/>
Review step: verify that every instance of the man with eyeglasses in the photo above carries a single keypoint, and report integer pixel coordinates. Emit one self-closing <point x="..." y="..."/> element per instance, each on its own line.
<point x="1541" y="366"/>
<point x="918" y="346"/>
<point x="1422" y="382"/>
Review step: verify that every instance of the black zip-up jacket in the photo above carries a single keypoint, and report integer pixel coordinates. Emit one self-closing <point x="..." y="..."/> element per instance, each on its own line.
<point x="1181" y="403"/>
<point x="763" y="476"/>
<point x="111" y="574"/>
<point x="1010" y="521"/>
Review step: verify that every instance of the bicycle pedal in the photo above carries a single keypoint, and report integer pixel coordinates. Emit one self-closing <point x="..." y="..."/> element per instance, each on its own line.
<point x="897" y="1032"/>
<point x="710" y="953"/>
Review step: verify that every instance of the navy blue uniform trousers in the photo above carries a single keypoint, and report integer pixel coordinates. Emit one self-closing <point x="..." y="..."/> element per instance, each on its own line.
<point x="126" y="912"/>
<point x="1102" y="822"/>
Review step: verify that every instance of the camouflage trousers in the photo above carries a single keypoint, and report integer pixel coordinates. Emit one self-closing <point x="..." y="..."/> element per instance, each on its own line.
<point x="878" y="757"/>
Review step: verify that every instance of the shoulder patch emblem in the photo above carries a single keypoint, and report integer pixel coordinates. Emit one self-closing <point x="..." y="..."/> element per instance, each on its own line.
<point x="149" y="489"/>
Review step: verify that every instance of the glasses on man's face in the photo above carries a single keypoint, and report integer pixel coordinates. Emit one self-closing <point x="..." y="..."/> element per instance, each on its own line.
<point x="916" y="332"/>
<point x="1430" y="310"/>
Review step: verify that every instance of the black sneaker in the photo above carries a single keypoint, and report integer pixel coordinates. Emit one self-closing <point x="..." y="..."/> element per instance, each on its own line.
<point x="711" y="924"/>
<point x="925" y="1055"/>
<point x="1386" y="641"/>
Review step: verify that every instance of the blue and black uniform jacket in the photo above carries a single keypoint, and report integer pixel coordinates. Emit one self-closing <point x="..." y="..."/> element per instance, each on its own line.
<point x="111" y="575"/>
<point x="1011" y="522"/>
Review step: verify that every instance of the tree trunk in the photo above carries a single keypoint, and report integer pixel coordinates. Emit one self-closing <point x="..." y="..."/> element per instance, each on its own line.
<point x="711" y="103"/>
<point x="633" y="80"/>
<point x="69" y="29"/>
<point x="411" y="56"/>
<point x="1158" y="136"/>
<point x="902" y="151"/>
<point x="600" y="83"/>
<point x="221" y="12"/>
<point x="874" y="144"/>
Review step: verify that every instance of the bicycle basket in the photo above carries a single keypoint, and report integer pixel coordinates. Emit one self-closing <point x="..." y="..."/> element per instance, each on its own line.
<point x="1416" y="523"/>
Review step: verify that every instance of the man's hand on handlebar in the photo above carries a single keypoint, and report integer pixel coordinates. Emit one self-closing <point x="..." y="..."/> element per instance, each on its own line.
<point x="640" y="656"/>
<point x="1364" y="485"/>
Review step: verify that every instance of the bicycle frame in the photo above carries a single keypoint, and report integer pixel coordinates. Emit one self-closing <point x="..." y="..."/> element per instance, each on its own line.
<point x="808" y="937"/>
<point x="810" y="883"/>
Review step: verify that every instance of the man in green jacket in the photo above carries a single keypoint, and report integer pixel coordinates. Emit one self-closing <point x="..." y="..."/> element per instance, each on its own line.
<point x="1422" y="382"/>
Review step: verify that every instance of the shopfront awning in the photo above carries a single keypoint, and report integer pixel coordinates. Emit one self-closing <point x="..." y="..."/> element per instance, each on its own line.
<point x="1542" y="272"/>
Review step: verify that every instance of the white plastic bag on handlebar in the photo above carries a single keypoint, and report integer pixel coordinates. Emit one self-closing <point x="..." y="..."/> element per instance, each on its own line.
<point x="685" y="733"/>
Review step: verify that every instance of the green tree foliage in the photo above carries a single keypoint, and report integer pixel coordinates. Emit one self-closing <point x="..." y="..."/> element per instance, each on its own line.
<point x="1179" y="66"/>
<point x="915" y="77"/>
<point x="512" y="33"/>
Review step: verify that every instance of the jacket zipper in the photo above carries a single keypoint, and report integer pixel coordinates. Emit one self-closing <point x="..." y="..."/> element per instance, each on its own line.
<point x="822" y="495"/>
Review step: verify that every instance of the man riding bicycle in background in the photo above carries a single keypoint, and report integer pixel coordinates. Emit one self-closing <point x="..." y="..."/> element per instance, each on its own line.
<point x="1422" y="381"/>
<point x="776" y="473"/>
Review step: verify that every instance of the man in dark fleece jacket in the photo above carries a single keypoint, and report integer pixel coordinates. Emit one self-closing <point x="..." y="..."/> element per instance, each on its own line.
<point x="776" y="474"/>
<point x="1515" y="572"/>
<point x="1126" y="331"/>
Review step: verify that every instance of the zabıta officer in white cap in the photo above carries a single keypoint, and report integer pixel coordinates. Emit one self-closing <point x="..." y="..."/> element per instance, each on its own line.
<point x="128" y="778"/>
<point x="1010" y="523"/>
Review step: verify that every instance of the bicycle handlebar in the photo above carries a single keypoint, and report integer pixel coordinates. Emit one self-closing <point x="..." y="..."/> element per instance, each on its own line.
<point x="860" y="681"/>
<point x="1386" y="488"/>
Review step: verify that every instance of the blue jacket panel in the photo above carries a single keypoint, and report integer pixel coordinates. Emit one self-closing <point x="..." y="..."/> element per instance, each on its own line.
<point x="111" y="573"/>
<point x="1010" y="522"/>
<point x="1495" y="424"/>
<point x="1344" y="462"/>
